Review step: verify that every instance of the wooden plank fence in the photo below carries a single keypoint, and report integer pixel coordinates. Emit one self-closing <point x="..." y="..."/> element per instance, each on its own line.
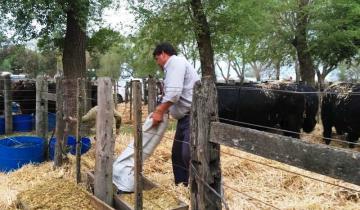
<point x="7" y="105"/>
<point x="205" y="172"/>
<point x="207" y="134"/>
<point x="138" y="153"/>
<point x="319" y="158"/>
<point x="103" y="188"/>
<point x="60" y="124"/>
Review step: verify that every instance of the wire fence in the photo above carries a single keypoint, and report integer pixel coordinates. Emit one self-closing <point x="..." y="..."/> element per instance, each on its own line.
<point x="271" y="128"/>
<point x="257" y="162"/>
<point x="169" y="89"/>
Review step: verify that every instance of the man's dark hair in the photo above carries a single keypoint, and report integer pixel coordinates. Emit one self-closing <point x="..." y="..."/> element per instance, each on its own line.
<point x="164" y="47"/>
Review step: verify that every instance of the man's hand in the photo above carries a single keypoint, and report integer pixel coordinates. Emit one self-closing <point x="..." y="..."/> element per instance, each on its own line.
<point x="158" y="114"/>
<point x="157" y="117"/>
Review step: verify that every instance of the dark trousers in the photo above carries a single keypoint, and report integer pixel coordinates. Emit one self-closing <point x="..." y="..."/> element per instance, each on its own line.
<point x="181" y="151"/>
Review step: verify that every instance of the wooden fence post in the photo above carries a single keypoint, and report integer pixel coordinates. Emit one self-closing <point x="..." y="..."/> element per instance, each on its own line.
<point x="131" y="100"/>
<point x="80" y="107"/>
<point x="145" y="90"/>
<point x="8" y="105"/>
<point x="60" y="124"/>
<point x="2" y="78"/>
<point x="126" y="92"/>
<point x="85" y="128"/>
<point x="205" y="172"/>
<point x="66" y="83"/>
<point x="103" y="187"/>
<point x="152" y="95"/>
<point x="42" y="110"/>
<point x="136" y="92"/>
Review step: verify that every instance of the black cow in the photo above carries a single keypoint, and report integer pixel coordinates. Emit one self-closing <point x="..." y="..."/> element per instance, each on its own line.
<point x="259" y="106"/>
<point x="24" y="93"/>
<point x="341" y="109"/>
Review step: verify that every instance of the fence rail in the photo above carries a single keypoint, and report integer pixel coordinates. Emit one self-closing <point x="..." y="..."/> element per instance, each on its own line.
<point x="333" y="162"/>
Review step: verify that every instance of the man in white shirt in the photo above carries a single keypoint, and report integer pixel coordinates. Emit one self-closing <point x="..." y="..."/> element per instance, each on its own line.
<point x="179" y="81"/>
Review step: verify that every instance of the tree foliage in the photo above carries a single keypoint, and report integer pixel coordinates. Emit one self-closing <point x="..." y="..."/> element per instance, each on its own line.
<point x="246" y="32"/>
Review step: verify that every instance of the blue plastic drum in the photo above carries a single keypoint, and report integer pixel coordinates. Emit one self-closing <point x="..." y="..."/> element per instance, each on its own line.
<point x="51" y="121"/>
<point x="23" y="122"/>
<point x="20" y="150"/>
<point x="85" y="146"/>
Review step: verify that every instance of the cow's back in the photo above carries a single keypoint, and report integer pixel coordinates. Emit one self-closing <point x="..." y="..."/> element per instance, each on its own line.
<point x="247" y="105"/>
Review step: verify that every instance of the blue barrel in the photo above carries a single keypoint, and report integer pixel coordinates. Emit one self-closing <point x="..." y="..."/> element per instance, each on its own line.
<point x="51" y="121"/>
<point x="71" y="142"/>
<point x="17" y="151"/>
<point x="2" y="125"/>
<point x="23" y="122"/>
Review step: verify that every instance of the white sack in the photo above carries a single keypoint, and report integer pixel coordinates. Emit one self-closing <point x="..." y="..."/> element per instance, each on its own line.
<point x="123" y="167"/>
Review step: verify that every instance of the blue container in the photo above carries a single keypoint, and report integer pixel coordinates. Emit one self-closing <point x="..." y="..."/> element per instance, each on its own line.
<point x="71" y="143"/>
<point x="51" y="121"/>
<point x="20" y="150"/>
<point x="15" y="107"/>
<point x="2" y="125"/>
<point x="23" y="122"/>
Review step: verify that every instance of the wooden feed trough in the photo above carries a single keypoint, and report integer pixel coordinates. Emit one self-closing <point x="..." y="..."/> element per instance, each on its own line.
<point x="59" y="194"/>
<point x="151" y="193"/>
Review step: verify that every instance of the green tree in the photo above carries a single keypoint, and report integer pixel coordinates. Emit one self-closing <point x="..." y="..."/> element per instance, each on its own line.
<point x="100" y="43"/>
<point x="160" y="21"/>
<point x="337" y="28"/>
<point x="34" y="18"/>
<point x="110" y="64"/>
<point x="349" y="72"/>
<point x="20" y="60"/>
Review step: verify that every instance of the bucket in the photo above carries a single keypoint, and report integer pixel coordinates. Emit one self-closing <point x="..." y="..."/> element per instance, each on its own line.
<point x="71" y="142"/>
<point x="23" y="122"/>
<point x="17" y="151"/>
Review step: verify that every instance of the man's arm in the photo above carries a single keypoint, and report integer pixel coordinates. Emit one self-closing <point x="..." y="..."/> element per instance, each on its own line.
<point x="159" y="112"/>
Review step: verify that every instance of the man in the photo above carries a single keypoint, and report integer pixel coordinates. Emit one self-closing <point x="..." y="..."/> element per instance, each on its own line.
<point x="179" y="81"/>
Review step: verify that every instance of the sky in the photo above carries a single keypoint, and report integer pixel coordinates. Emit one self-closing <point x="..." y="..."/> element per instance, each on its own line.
<point x="120" y="20"/>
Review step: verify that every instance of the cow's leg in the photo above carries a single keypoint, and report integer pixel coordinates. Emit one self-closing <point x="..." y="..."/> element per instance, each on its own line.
<point x="351" y="137"/>
<point x="327" y="132"/>
<point x="326" y="117"/>
<point x="291" y="125"/>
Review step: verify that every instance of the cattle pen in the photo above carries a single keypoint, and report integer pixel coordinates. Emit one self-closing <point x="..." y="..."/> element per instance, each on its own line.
<point x="207" y="186"/>
<point x="208" y="134"/>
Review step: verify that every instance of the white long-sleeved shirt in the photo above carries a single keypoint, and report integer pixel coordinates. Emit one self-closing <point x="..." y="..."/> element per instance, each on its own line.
<point x="180" y="77"/>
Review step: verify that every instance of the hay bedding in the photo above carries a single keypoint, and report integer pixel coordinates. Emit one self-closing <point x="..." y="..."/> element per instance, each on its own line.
<point x="276" y="187"/>
<point x="154" y="199"/>
<point x="55" y="194"/>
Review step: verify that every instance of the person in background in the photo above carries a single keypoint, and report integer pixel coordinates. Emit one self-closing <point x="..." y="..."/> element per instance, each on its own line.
<point x="179" y="80"/>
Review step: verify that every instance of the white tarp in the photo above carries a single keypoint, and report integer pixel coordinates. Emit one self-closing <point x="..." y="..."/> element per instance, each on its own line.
<point x="123" y="167"/>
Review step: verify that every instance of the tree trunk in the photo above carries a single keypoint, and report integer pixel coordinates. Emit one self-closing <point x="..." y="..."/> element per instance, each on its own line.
<point x="307" y="71"/>
<point x="74" y="64"/>
<point x="277" y="69"/>
<point x="256" y="70"/>
<point x="297" y="71"/>
<point x="203" y="39"/>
